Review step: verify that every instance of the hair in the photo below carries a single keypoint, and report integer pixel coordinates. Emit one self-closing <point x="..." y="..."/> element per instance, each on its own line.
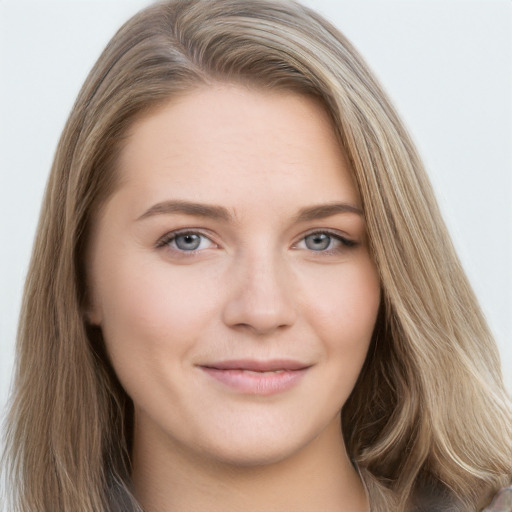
<point x="429" y="412"/>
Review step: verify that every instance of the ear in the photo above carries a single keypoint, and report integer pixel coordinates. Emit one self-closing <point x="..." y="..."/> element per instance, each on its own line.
<point x="92" y="312"/>
<point x="93" y="317"/>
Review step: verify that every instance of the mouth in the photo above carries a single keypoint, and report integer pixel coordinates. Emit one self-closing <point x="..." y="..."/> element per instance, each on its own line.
<point x="257" y="377"/>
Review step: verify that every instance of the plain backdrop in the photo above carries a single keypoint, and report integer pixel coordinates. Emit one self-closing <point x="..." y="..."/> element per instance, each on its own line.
<point x="447" y="64"/>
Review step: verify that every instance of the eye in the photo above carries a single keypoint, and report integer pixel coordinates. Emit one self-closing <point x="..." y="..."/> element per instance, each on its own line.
<point x="318" y="241"/>
<point x="188" y="241"/>
<point x="322" y="241"/>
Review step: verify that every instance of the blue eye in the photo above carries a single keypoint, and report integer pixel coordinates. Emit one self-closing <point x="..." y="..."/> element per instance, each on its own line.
<point x="318" y="241"/>
<point x="322" y="241"/>
<point x="185" y="242"/>
<point x="188" y="242"/>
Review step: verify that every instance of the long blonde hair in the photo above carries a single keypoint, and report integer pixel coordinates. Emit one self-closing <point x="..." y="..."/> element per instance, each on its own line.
<point x="429" y="410"/>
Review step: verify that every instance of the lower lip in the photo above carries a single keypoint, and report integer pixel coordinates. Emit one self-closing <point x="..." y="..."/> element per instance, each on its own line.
<point x="257" y="383"/>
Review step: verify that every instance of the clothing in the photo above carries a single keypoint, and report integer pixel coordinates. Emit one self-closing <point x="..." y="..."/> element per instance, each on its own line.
<point x="502" y="502"/>
<point x="430" y="499"/>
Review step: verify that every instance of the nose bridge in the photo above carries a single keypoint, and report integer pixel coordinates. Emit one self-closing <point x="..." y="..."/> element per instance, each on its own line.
<point x="261" y="296"/>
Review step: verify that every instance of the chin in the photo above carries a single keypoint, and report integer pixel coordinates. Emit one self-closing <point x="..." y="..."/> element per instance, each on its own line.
<point x="258" y="448"/>
<point x="254" y="456"/>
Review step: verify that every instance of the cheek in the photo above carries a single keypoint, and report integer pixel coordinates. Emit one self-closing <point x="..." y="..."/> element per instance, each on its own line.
<point x="345" y="307"/>
<point x="343" y="314"/>
<point x="152" y="314"/>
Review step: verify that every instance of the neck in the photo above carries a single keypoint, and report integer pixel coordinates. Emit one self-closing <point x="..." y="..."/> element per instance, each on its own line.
<point x="318" y="477"/>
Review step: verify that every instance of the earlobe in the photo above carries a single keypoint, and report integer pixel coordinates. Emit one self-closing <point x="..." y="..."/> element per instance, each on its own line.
<point x="90" y="307"/>
<point x="92" y="320"/>
<point x="92" y="315"/>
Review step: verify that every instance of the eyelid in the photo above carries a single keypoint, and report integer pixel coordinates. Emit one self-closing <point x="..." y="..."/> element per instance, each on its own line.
<point x="164" y="240"/>
<point x="346" y="240"/>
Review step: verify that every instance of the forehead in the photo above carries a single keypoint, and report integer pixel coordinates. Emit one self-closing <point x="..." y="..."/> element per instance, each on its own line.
<point x="227" y="142"/>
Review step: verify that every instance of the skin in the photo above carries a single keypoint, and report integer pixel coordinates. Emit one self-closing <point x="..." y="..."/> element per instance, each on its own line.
<point x="257" y="287"/>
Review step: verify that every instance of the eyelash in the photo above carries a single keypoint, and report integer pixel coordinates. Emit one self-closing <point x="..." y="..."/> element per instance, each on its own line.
<point x="170" y="237"/>
<point x="345" y="243"/>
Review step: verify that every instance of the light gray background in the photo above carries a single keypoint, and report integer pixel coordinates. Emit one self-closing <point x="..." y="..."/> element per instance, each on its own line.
<point x="447" y="64"/>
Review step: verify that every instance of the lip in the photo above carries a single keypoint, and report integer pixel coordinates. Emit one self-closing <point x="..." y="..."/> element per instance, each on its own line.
<point x="257" y="377"/>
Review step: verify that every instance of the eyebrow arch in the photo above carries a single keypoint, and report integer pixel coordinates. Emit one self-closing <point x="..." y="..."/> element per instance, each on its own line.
<point x="220" y="213"/>
<point x="187" y="208"/>
<point x="326" y="210"/>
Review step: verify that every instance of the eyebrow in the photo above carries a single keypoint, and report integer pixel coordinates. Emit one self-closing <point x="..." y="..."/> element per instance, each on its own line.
<point x="215" y="212"/>
<point x="323" y="211"/>
<point x="188" y="208"/>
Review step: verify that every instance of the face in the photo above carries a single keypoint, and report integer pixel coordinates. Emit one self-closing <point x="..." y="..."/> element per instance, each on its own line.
<point x="231" y="277"/>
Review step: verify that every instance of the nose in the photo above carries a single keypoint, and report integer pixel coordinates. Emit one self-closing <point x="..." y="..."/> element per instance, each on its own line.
<point x="261" y="295"/>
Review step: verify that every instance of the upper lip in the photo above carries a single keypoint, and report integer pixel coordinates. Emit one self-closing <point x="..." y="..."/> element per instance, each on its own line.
<point x="258" y="365"/>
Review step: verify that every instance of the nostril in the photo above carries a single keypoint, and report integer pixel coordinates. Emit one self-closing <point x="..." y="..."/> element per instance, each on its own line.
<point x="260" y="316"/>
<point x="260" y="299"/>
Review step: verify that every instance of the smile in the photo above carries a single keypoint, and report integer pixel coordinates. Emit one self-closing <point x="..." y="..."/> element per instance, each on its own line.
<point x="257" y="377"/>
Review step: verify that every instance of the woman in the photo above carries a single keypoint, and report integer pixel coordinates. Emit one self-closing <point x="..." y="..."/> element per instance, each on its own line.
<point x="242" y="293"/>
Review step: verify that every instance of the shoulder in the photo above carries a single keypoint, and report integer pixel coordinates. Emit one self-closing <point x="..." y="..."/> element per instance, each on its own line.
<point x="502" y="502"/>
